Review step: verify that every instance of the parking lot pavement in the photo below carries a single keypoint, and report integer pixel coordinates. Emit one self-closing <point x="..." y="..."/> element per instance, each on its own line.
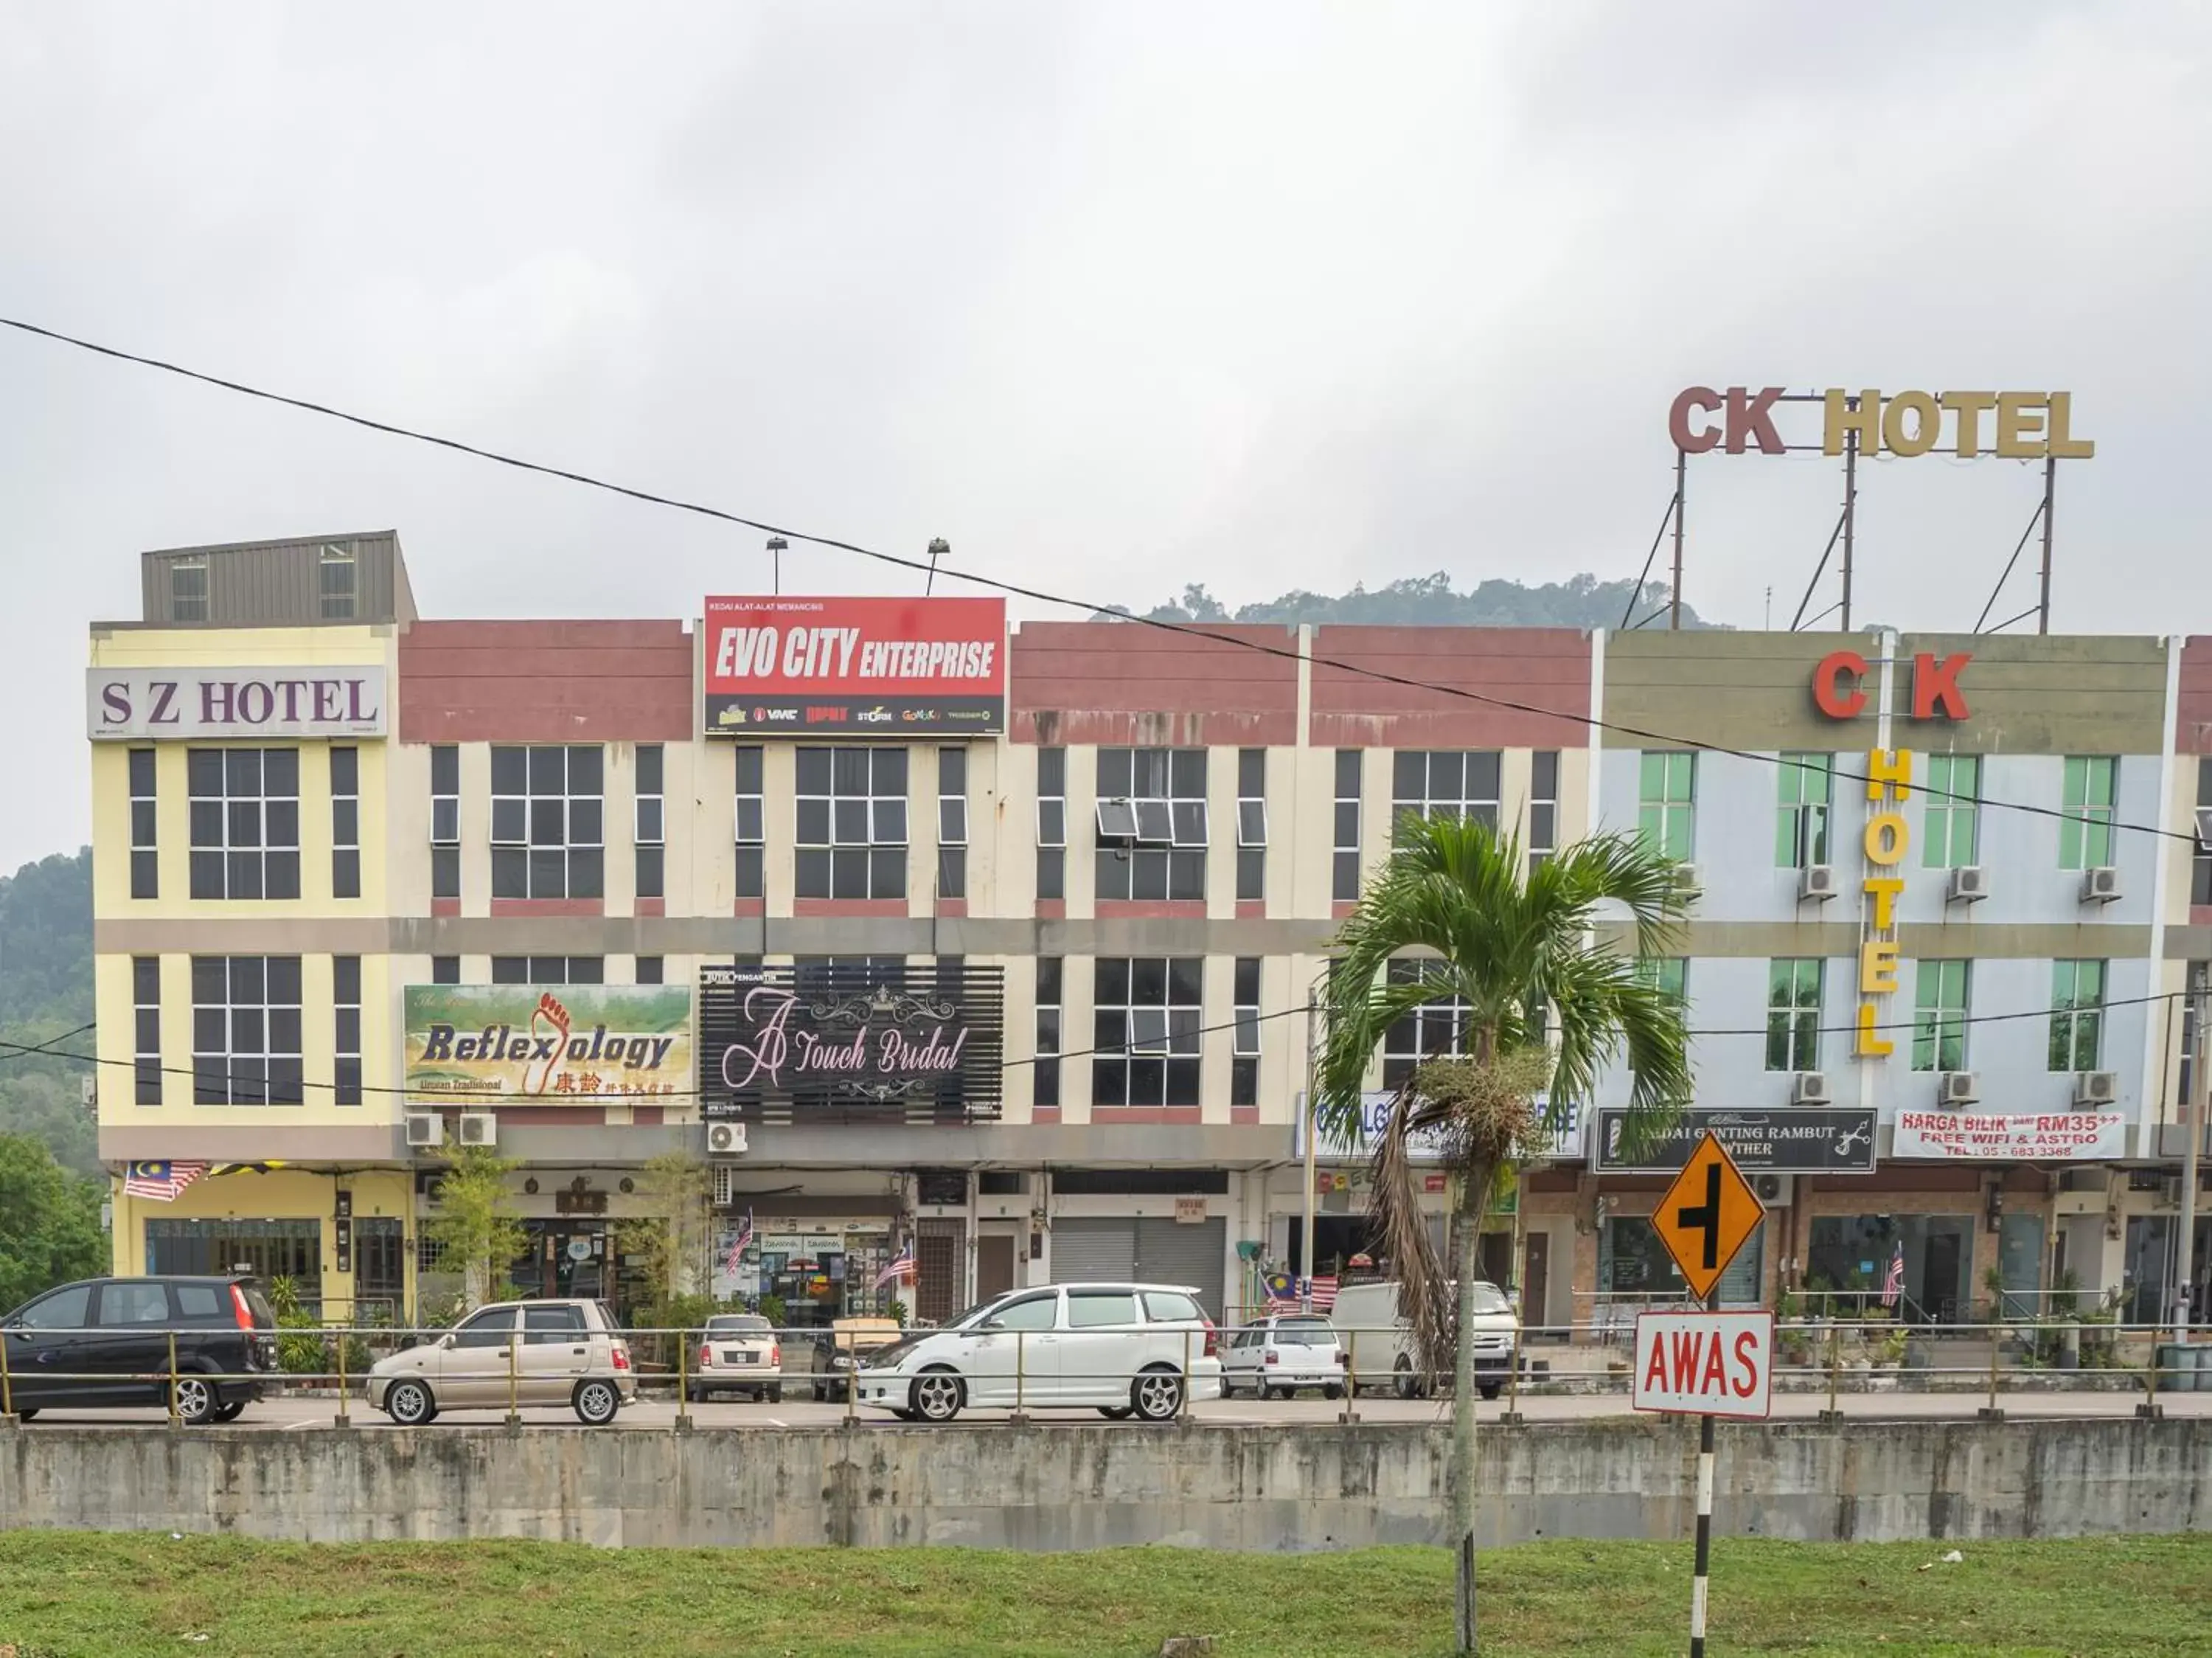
<point x="297" y="1414"/>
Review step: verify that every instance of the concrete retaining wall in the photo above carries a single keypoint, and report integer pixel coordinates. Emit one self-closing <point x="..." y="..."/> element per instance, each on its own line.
<point x="1305" y="1487"/>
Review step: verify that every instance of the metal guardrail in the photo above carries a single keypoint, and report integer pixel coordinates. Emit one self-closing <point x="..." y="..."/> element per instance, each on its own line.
<point x="1814" y="1355"/>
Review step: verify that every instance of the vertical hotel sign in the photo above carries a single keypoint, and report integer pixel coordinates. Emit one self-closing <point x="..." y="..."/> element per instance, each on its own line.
<point x="1838" y="693"/>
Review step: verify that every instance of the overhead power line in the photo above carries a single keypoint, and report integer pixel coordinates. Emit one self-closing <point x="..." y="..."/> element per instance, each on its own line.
<point x="921" y="566"/>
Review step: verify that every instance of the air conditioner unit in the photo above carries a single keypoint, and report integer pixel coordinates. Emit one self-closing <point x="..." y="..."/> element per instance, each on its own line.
<point x="1775" y="1190"/>
<point x="2092" y="1181"/>
<point x="2100" y="886"/>
<point x="726" y="1139"/>
<point x="1970" y="883"/>
<point x="1816" y="881"/>
<point x="1809" y="1087"/>
<point x="479" y="1128"/>
<point x="1957" y="1088"/>
<point x="2169" y="1193"/>
<point x="1687" y="881"/>
<point x="425" y="1128"/>
<point x="2096" y="1087"/>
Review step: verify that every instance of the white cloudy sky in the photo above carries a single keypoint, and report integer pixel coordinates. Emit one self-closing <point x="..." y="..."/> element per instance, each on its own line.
<point x="1113" y="296"/>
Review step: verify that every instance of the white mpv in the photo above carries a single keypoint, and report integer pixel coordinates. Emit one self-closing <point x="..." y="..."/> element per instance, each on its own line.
<point x="1123" y="1350"/>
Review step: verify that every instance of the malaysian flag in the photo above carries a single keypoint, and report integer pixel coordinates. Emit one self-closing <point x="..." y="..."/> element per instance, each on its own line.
<point x="1321" y="1293"/>
<point x="902" y="1268"/>
<point x="1892" y="1283"/>
<point x="731" y="1261"/>
<point x="160" y="1181"/>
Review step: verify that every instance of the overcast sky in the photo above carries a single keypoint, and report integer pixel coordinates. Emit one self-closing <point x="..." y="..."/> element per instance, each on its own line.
<point x="1112" y="296"/>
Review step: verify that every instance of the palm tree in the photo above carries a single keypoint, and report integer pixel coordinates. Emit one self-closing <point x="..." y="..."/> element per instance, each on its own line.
<point x="1546" y="1005"/>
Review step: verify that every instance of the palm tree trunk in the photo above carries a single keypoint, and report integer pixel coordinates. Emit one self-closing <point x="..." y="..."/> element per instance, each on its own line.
<point x="1474" y="1197"/>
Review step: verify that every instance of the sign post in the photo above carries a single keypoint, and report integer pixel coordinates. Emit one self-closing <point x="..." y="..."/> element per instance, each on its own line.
<point x="1712" y="1362"/>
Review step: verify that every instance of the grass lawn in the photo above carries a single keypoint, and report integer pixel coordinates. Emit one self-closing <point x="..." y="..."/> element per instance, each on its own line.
<point x="68" y="1595"/>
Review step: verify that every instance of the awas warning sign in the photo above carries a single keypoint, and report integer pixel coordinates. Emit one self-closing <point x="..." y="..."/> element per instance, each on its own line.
<point x="1716" y="1364"/>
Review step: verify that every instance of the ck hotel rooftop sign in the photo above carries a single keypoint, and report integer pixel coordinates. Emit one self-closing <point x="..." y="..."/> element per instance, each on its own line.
<point x="855" y="667"/>
<point x="138" y="704"/>
<point x="2016" y="425"/>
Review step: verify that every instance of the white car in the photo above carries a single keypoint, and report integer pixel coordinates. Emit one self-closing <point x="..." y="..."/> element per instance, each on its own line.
<point x="1381" y="1350"/>
<point x="509" y="1355"/>
<point x="1120" y="1348"/>
<point x="737" y="1353"/>
<point x="1276" y="1357"/>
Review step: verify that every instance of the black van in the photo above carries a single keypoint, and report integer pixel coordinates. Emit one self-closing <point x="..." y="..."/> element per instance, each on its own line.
<point x="106" y="1341"/>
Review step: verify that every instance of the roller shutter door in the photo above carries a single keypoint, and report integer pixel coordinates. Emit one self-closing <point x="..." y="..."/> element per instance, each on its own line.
<point x="1169" y="1252"/>
<point x="1089" y="1250"/>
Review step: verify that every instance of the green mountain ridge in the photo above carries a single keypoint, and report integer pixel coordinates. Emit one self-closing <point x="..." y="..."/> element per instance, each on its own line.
<point x="1580" y="601"/>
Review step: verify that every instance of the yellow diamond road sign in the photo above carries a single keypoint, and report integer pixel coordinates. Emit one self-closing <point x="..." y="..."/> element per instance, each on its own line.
<point x="1707" y="1216"/>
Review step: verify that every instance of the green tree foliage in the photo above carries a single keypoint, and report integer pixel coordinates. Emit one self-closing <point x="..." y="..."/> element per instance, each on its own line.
<point x="49" y="1228"/>
<point x="669" y="1240"/>
<point x="1580" y="601"/>
<point x="474" y="1225"/>
<point x="46" y="997"/>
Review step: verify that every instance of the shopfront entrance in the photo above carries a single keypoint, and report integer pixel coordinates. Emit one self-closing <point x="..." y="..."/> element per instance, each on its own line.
<point x="1848" y="1265"/>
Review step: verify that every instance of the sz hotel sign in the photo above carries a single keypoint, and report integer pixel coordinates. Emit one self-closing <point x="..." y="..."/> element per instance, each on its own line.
<point x="855" y="667"/>
<point x="2020" y="425"/>
<point x="1838" y="692"/>
<point x="806" y="1041"/>
<point x="138" y="704"/>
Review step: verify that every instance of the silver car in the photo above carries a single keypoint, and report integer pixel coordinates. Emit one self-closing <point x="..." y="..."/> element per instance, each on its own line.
<point x="512" y="1354"/>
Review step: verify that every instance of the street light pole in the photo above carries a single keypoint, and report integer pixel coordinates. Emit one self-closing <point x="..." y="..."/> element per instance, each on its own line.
<point x="1313" y="1050"/>
<point x="777" y="546"/>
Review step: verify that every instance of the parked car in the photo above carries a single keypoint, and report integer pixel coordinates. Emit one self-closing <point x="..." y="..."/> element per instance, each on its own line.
<point x="737" y="1353"/>
<point x="832" y="1354"/>
<point x="1120" y="1348"/>
<point x="1382" y="1350"/>
<point x="106" y="1341"/>
<point x="1273" y="1357"/>
<point x="571" y="1353"/>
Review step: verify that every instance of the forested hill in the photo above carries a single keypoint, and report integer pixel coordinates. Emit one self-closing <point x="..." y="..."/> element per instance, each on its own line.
<point x="1580" y="601"/>
<point x="45" y="993"/>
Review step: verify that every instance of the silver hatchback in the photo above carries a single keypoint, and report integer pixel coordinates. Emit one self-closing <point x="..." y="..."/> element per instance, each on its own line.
<point x="513" y="1354"/>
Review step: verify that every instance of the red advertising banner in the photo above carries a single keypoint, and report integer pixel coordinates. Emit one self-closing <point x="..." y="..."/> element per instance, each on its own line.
<point x="864" y="667"/>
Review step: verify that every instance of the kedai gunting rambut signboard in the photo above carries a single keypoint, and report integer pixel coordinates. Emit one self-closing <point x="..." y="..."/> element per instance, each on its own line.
<point x="858" y="668"/>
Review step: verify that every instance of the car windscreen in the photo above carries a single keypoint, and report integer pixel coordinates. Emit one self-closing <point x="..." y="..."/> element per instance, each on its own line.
<point x="730" y="1323"/>
<point x="1312" y="1332"/>
<point x="1489" y="1298"/>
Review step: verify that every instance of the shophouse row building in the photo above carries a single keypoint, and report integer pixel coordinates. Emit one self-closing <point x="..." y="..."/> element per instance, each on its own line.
<point x="997" y="945"/>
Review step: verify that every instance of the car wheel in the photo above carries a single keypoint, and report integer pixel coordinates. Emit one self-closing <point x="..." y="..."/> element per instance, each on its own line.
<point x="25" y="1416"/>
<point x="597" y="1402"/>
<point x="1116" y="1412"/>
<point x="775" y="1394"/>
<point x="1156" y="1395"/>
<point x="1274" y="1392"/>
<point x="410" y="1403"/>
<point x="230" y="1410"/>
<point x="821" y="1394"/>
<point x="1402" y="1381"/>
<point x="1332" y="1392"/>
<point x="1491" y="1389"/>
<point x="938" y="1395"/>
<point x="197" y="1400"/>
<point x="905" y="1416"/>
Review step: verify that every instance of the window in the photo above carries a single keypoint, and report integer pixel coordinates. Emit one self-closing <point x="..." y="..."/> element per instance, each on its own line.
<point x="1947" y="826"/>
<point x="1805" y="785"/>
<point x="245" y="821"/>
<point x="1152" y="823"/>
<point x="1430" y="1029"/>
<point x="146" y="1022"/>
<point x="547" y="825"/>
<point x="188" y="589"/>
<point x="444" y="970"/>
<point x="549" y="970"/>
<point x="1543" y="807"/>
<point x="1666" y="803"/>
<point x="1939" y="1017"/>
<point x="2077" y="1013"/>
<point x="197" y="1301"/>
<point x="445" y="821"/>
<point x="246" y="1030"/>
<point x="65" y="1310"/>
<point x="2084" y="833"/>
<point x="345" y="996"/>
<point x="752" y="824"/>
<point x="1344" y="873"/>
<point x="1667" y="974"/>
<point x="1090" y="1309"/>
<point x="1045" y="1074"/>
<point x="1244" y="1039"/>
<point x="1445" y="784"/>
<point x="651" y="828"/>
<point x="493" y="1327"/>
<point x="852" y="823"/>
<point x="1037" y="1312"/>
<point x="649" y="970"/>
<point x="1793" y="1014"/>
<point x="145" y="861"/>
<point x="338" y="585"/>
<point x="546" y="1326"/>
<point x="1171" y="1307"/>
<point x="952" y="823"/>
<point x="1146" y="1017"/>
<point x="345" y="823"/>
<point x="124" y="1303"/>
<point x="1052" y="823"/>
<point x="1251" y="824"/>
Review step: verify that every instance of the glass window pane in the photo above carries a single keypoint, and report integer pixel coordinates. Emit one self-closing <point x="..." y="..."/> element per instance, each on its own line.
<point x="549" y="769"/>
<point x="650" y="767"/>
<point x="749" y="769"/>
<point x="813" y="767"/>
